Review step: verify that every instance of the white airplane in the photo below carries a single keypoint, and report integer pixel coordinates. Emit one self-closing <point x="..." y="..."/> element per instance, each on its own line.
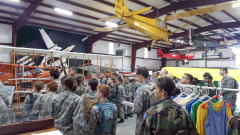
<point x="26" y="60"/>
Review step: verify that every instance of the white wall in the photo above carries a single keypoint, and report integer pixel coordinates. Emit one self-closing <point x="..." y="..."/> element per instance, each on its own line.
<point x="210" y="63"/>
<point x="5" y="37"/>
<point x="103" y="47"/>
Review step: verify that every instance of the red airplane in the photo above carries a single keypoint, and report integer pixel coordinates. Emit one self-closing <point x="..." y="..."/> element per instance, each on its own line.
<point x="184" y="57"/>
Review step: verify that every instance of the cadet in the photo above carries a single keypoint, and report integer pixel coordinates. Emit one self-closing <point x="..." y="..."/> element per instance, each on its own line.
<point x="64" y="107"/>
<point x="144" y="95"/>
<point x="167" y="117"/>
<point x="79" y="80"/>
<point x="30" y="100"/>
<point x="85" y="105"/>
<point x="155" y="75"/>
<point x="122" y="97"/>
<point x="187" y="80"/>
<point x="103" y="117"/>
<point x="229" y="82"/>
<point x="72" y="72"/>
<point x="114" y="94"/>
<point x="54" y="75"/>
<point x="207" y="77"/>
<point x="129" y="92"/>
<point x="43" y="105"/>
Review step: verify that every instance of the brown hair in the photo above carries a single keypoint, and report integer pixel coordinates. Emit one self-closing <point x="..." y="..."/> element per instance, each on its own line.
<point x="53" y="86"/>
<point x="79" y="79"/>
<point x="69" y="83"/>
<point x="189" y="76"/>
<point x="104" y="89"/>
<point x="63" y="79"/>
<point x="38" y="85"/>
<point x="168" y="85"/>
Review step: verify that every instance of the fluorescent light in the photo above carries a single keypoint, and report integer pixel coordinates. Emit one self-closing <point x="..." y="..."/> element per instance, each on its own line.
<point x="111" y="24"/>
<point x="15" y="0"/>
<point x="63" y="11"/>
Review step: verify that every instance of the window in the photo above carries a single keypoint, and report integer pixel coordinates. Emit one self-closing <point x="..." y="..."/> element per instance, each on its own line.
<point x="111" y="47"/>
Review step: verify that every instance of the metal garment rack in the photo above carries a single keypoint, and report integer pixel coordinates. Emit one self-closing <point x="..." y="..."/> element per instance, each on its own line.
<point x="206" y="88"/>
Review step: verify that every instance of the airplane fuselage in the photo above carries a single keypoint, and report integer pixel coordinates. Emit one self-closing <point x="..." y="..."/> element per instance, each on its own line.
<point x="147" y="26"/>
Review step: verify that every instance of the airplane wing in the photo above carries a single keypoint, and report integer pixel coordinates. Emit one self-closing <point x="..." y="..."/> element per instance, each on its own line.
<point x="213" y="8"/>
<point x="49" y="43"/>
<point x="105" y="29"/>
<point x="136" y="12"/>
<point x="108" y="18"/>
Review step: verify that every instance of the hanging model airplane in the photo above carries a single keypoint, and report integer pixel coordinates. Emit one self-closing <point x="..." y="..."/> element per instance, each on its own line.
<point x="156" y="29"/>
<point x="183" y="57"/>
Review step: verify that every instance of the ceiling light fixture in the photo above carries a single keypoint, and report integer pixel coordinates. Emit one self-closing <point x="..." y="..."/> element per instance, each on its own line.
<point x="63" y="11"/>
<point x="111" y="24"/>
<point x="15" y="0"/>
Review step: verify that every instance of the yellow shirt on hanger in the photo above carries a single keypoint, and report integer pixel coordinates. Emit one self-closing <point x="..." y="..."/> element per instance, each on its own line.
<point x="202" y="115"/>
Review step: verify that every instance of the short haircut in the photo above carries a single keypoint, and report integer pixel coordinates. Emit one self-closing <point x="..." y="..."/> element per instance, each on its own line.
<point x="93" y="83"/>
<point x="155" y="71"/>
<point x="208" y="75"/>
<point x="104" y="89"/>
<point x="38" y="85"/>
<point x="113" y="79"/>
<point x="72" y="68"/>
<point x="224" y="69"/>
<point x="53" y="86"/>
<point x="189" y="76"/>
<point x="63" y="79"/>
<point x="143" y="71"/>
<point x="54" y="74"/>
<point x="120" y="79"/>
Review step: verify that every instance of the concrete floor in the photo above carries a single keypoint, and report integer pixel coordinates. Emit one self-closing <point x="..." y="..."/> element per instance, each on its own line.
<point x="128" y="127"/>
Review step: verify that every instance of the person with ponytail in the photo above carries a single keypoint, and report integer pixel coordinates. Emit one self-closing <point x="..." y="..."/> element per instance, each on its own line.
<point x="79" y="80"/>
<point x="167" y="117"/>
<point x="64" y="106"/>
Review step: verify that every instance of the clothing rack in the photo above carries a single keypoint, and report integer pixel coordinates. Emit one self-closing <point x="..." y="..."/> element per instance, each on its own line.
<point x="205" y="87"/>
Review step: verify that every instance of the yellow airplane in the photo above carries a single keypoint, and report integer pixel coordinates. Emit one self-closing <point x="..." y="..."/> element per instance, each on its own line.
<point x="156" y="29"/>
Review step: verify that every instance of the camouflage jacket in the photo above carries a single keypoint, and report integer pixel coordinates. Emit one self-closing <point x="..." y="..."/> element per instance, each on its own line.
<point x="142" y="102"/>
<point x="59" y="90"/>
<point x="79" y="122"/>
<point x="5" y="115"/>
<point x="96" y="120"/>
<point x="64" y="110"/>
<point x="229" y="82"/>
<point x="28" y="105"/>
<point x="43" y="106"/>
<point x="129" y="90"/>
<point x="122" y="93"/>
<point x="80" y="90"/>
<point x="114" y="94"/>
<point x="167" y="118"/>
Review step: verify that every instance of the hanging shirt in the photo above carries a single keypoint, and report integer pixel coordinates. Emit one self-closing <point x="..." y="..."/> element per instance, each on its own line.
<point x="189" y="106"/>
<point x="202" y="115"/>
<point x="216" y="123"/>
<point x="194" y="109"/>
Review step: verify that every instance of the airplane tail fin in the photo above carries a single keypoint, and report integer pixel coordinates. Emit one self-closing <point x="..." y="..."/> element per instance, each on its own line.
<point x="159" y="52"/>
<point x="121" y="8"/>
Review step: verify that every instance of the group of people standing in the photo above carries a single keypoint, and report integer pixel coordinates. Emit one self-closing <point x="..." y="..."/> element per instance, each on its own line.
<point x="92" y="107"/>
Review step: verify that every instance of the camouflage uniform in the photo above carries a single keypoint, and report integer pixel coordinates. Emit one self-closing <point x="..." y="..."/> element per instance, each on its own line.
<point x="142" y="102"/>
<point x="103" y="81"/>
<point x="231" y="96"/>
<point x="59" y="90"/>
<point x="136" y="86"/>
<point x="80" y="124"/>
<point x="28" y="105"/>
<point x="64" y="110"/>
<point x="43" y="106"/>
<point x="5" y="115"/>
<point x="129" y="92"/>
<point x="167" y="118"/>
<point x="96" y="120"/>
<point x="80" y="90"/>
<point x="114" y="98"/>
<point x="122" y="97"/>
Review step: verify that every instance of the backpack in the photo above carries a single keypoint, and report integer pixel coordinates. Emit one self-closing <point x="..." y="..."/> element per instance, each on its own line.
<point x="107" y="111"/>
<point x="88" y="104"/>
